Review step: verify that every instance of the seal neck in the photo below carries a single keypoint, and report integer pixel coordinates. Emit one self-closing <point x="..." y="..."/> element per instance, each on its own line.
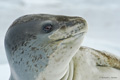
<point x="69" y="74"/>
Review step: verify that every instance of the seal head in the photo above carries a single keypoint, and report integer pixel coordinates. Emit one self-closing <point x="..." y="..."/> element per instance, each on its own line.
<point x="41" y="46"/>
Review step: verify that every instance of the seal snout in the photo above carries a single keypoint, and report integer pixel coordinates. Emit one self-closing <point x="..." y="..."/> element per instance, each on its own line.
<point x="69" y="27"/>
<point x="76" y="23"/>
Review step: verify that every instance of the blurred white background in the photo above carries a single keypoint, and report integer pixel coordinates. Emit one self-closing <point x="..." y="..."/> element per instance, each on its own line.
<point x="103" y="17"/>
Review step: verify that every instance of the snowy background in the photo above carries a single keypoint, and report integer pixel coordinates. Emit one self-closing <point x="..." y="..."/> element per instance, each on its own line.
<point x="103" y="17"/>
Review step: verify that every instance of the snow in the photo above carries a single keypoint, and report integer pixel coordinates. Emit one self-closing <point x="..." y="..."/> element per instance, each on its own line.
<point x="4" y="72"/>
<point x="102" y="16"/>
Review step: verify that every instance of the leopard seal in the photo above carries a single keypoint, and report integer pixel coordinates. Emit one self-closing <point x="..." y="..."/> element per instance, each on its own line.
<point x="48" y="47"/>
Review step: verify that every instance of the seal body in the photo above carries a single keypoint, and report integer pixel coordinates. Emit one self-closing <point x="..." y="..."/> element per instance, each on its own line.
<point x="47" y="47"/>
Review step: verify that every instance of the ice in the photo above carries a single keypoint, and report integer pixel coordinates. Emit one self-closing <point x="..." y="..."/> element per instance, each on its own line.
<point x="4" y="72"/>
<point x="103" y="17"/>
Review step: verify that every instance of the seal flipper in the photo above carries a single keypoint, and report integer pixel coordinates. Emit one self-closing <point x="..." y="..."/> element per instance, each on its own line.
<point x="103" y="58"/>
<point x="110" y="60"/>
<point x="93" y="64"/>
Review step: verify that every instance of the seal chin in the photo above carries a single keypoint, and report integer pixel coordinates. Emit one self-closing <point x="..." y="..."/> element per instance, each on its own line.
<point x="71" y="36"/>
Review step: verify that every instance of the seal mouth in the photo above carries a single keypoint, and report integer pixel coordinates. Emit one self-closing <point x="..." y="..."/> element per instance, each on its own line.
<point x="79" y="34"/>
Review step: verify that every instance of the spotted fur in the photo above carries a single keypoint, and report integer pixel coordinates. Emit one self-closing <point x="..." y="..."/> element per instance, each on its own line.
<point x="34" y="54"/>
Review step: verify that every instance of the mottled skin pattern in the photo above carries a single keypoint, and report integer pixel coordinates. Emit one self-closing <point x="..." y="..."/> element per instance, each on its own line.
<point x="36" y="54"/>
<point x="91" y="64"/>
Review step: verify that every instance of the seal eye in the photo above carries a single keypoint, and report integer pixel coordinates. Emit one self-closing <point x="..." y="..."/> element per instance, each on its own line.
<point x="47" y="28"/>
